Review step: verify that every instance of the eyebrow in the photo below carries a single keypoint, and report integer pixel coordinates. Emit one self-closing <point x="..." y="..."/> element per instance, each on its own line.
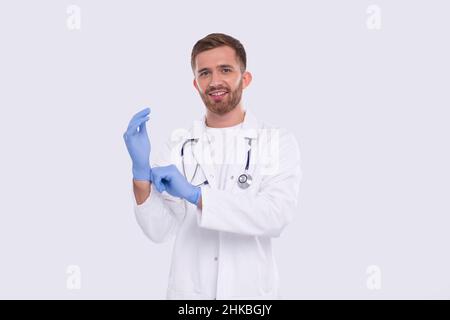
<point x="219" y="67"/>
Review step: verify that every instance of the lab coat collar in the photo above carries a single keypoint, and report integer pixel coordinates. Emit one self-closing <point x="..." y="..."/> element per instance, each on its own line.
<point x="248" y="130"/>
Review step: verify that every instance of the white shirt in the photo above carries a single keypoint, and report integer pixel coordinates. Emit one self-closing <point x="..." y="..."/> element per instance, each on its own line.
<point x="223" y="150"/>
<point x="222" y="143"/>
<point x="224" y="251"/>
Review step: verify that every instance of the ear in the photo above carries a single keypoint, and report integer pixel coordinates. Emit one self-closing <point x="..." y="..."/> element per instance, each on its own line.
<point x="195" y="84"/>
<point x="246" y="79"/>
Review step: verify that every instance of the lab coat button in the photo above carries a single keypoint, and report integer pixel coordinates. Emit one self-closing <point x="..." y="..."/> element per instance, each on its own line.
<point x="215" y="258"/>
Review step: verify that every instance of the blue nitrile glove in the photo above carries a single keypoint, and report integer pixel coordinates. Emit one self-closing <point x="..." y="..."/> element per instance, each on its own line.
<point x="138" y="145"/>
<point x="169" y="179"/>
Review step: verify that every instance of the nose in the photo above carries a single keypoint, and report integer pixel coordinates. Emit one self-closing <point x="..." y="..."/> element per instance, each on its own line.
<point x="216" y="79"/>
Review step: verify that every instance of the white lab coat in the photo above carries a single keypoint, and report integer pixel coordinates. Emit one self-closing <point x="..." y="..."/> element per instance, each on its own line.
<point x="242" y="222"/>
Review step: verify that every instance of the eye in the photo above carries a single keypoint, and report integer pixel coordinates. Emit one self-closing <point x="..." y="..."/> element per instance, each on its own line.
<point x="203" y="73"/>
<point x="226" y="70"/>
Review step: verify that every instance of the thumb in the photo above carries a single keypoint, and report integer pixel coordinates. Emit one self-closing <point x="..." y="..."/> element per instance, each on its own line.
<point x="156" y="179"/>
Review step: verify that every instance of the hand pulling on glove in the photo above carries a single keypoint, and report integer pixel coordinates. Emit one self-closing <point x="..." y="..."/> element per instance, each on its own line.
<point x="169" y="179"/>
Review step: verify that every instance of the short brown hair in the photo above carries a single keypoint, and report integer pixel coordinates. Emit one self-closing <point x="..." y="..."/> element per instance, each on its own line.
<point x="215" y="40"/>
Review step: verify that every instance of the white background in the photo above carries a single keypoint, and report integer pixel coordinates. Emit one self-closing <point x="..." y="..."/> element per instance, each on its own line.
<point x="370" y="109"/>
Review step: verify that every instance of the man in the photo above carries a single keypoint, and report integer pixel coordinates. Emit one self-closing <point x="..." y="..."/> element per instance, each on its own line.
<point x="224" y="212"/>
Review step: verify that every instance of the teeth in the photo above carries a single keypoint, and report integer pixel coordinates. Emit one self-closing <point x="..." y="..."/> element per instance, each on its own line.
<point x="218" y="93"/>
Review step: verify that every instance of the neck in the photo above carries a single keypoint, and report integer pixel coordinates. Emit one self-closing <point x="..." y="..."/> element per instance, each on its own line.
<point x="229" y="119"/>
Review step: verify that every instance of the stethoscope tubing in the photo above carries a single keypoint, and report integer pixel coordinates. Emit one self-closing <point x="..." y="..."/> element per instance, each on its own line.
<point x="248" y="178"/>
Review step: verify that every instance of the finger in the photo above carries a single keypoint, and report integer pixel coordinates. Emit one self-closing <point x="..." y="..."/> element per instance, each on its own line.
<point x="133" y="126"/>
<point x="138" y="120"/>
<point x="165" y="173"/>
<point x="143" y="113"/>
<point x="143" y="127"/>
<point x="162" y="187"/>
<point x="157" y="181"/>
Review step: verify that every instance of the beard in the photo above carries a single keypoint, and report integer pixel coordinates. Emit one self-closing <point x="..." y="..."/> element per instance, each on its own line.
<point x="227" y="103"/>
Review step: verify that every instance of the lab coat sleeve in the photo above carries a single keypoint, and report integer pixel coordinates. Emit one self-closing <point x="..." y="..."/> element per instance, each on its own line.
<point x="160" y="214"/>
<point x="264" y="213"/>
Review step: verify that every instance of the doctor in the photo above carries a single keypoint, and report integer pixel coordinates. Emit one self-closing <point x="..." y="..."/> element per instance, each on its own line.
<point x="224" y="190"/>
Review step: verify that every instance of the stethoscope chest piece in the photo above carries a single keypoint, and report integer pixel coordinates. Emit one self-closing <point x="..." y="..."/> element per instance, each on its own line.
<point x="244" y="181"/>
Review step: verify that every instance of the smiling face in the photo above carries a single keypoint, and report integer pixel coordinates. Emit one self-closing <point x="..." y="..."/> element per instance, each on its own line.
<point x="219" y="79"/>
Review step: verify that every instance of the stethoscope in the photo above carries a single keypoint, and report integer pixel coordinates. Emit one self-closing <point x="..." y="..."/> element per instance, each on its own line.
<point x="244" y="180"/>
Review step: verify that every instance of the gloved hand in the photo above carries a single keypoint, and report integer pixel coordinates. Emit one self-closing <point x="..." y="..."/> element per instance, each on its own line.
<point x="138" y="145"/>
<point x="169" y="179"/>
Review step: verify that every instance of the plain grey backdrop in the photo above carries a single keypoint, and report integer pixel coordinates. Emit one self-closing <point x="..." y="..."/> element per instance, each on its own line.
<point x="369" y="107"/>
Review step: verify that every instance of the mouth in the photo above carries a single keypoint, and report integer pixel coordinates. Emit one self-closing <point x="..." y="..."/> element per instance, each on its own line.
<point x="218" y="94"/>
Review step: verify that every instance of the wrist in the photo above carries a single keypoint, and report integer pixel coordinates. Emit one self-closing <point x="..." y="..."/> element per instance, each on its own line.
<point x="141" y="173"/>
